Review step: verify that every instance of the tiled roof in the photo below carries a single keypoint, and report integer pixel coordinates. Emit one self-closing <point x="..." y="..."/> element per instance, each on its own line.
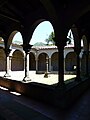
<point x="44" y="47"/>
<point x="50" y="47"/>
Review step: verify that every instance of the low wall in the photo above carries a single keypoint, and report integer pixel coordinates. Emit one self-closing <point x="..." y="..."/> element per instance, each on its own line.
<point x="61" y="97"/>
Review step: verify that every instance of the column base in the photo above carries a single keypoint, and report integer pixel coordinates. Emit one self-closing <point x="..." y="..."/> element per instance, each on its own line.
<point x="36" y="72"/>
<point x="46" y="75"/>
<point x="7" y="75"/>
<point x="60" y="85"/>
<point x="78" y="79"/>
<point x="26" y="79"/>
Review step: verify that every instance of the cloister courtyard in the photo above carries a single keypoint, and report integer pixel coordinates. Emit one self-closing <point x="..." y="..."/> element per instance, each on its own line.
<point x="39" y="78"/>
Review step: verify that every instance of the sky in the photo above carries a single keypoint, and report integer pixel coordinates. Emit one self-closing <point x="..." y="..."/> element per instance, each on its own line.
<point x="41" y="33"/>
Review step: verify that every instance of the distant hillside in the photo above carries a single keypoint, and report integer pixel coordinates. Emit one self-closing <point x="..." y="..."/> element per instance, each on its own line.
<point x="17" y="42"/>
<point x="39" y="44"/>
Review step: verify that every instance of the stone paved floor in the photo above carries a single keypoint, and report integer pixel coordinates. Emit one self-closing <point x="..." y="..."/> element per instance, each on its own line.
<point x="79" y="111"/>
<point x="52" y="78"/>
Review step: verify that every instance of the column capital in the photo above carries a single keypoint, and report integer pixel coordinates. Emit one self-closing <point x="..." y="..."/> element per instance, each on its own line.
<point x="7" y="51"/>
<point x="77" y="50"/>
<point x="60" y="45"/>
<point x="27" y="48"/>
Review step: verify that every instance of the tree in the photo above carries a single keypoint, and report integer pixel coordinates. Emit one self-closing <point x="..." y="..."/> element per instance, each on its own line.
<point x="50" y="39"/>
<point x="69" y="38"/>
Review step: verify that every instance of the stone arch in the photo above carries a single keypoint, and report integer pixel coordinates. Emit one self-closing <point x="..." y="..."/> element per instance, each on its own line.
<point x="17" y="38"/>
<point x="54" y="62"/>
<point x="42" y="62"/>
<point x="32" y="62"/>
<point x="17" y="63"/>
<point x="36" y="25"/>
<point x="10" y="39"/>
<point x="70" y="61"/>
<point x="2" y="59"/>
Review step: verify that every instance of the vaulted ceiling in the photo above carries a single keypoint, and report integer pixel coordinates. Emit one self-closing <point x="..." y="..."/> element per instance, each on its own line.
<point x="21" y="14"/>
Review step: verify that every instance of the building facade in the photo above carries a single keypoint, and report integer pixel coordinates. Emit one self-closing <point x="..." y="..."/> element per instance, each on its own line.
<point x="41" y="59"/>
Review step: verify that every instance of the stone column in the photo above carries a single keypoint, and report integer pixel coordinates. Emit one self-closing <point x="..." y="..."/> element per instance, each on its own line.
<point x="46" y="73"/>
<point x="86" y="53"/>
<point x="77" y="49"/>
<point x="61" y="66"/>
<point x="87" y="56"/>
<point x="7" y="52"/>
<point x="64" y="66"/>
<point x="27" y="51"/>
<point x="78" y="66"/>
<point x="10" y="58"/>
<point x="36" y="65"/>
<point x="60" y="43"/>
<point x="26" y="78"/>
<point x="49" y="64"/>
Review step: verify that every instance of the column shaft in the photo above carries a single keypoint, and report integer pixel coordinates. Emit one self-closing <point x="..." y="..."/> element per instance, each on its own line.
<point x="36" y="65"/>
<point x="61" y="68"/>
<point x="78" y="78"/>
<point x="26" y="78"/>
<point x="49" y="64"/>
<point x="7" y="52"/>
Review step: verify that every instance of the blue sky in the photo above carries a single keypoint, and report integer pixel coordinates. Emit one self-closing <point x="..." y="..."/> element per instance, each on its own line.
<point x="41" y="32"/>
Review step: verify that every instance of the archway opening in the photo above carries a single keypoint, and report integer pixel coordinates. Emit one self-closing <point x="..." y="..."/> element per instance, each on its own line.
<point x="2" y="59"/>
<point x="17" y="39"/>
<point x="17" y="63"/>
<point x="69" y="58"/>
<point x="42" y="63"/>
<point x="54" y="62"/>
<point x="41" y="34"/>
